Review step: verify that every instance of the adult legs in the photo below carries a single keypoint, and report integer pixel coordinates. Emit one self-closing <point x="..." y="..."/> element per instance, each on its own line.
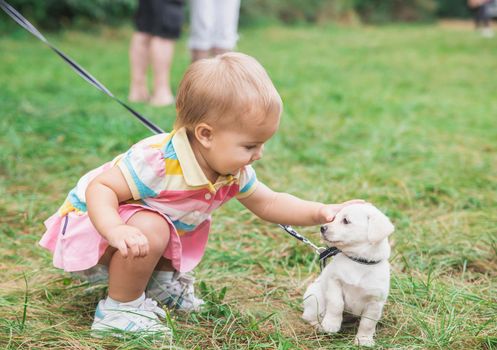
<point x="218" y="51"/>
<point x="214" y="27"/>
<point x="161" y="52"/>
<point x="483" y="21"/>
<point x="479" y="16"/>
<point x="139" y="61"/>
<point x="199" y="54"/>
<point x="225" y="26"/>
<point x="201" y="23"/>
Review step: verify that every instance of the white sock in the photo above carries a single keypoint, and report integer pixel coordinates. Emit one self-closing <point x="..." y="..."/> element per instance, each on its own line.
<point x="110" y="303"/>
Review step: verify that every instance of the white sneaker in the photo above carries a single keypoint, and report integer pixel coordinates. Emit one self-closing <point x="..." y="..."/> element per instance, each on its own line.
<point x="174" y="290"/>
<point x="136" y="317"/>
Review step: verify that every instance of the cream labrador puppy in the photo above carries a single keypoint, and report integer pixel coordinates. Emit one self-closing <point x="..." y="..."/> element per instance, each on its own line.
<point x="357" y="280"/>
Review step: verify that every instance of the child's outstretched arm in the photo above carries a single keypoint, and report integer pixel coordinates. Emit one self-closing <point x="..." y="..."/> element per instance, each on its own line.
<point x="103" y="195"/>
<point x="284" y="208"/>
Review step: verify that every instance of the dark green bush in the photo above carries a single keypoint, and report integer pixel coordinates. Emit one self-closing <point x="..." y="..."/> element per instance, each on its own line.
<point x="396" y="10"/>
<point x="290" y="11"/>
<point x="452" y="8"/>
<point x="54" y="14"/>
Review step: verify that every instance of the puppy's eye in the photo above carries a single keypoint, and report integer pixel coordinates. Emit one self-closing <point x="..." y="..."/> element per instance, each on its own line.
<point x="345" y="221"/>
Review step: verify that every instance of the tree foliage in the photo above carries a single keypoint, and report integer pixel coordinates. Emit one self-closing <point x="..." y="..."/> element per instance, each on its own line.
<point x="54" y="14"/>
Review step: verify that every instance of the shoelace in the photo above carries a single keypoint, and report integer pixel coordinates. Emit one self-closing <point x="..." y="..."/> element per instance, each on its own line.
<point x="151" y="305"/>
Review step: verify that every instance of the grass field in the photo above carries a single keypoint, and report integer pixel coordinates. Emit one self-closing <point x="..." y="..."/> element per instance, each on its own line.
<point x="403" y="116"/>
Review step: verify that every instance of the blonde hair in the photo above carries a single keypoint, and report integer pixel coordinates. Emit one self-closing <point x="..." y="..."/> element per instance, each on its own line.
<point x="228" y="88"/>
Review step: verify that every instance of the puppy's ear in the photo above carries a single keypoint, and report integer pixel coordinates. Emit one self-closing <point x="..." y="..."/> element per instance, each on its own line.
<point x="379" y="226"/>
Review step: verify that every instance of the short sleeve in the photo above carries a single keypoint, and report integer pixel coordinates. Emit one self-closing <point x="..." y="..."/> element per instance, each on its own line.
<point x="247" y="181"/>
<point x="143" y="167"/>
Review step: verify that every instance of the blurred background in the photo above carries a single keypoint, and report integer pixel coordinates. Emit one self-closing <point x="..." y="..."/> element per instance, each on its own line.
<point x="54" y="14"/>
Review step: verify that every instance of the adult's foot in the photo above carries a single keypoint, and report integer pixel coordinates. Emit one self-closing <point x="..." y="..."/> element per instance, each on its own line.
<point x="161" y="100"/>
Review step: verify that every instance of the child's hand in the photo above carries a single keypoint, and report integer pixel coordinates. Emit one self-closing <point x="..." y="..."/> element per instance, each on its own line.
<point x="126" y="237"/>
<point x="328" y="211"/>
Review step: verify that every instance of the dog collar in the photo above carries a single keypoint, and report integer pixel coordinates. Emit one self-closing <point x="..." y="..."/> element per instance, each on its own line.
<point x="332" y="251"/>
<point x="363" y="261"/>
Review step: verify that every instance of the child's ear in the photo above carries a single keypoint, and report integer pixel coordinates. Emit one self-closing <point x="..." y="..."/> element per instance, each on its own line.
<point x="203" y="134"/>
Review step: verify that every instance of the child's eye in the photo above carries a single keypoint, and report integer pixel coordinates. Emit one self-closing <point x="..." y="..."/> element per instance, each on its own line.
<point x="345" y="221"/>
<point x="250" y="147"/>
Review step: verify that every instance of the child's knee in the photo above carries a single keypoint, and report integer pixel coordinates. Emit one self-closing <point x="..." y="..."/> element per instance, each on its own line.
<point x="155" y="228"/>
<point x="158" y="236"/>
<point x="158" y="244"/>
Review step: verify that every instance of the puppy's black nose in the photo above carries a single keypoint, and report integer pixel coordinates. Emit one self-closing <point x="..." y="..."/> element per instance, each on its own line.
<point x="324" y="228"/>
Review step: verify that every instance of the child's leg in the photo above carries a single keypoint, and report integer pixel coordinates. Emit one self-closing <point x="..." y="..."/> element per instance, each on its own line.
<point x="174" y="289"/>
<point x="165" y="285"/>
<point x="128" y="277"/>
<point x="164" y="265"/>
<point x="126" y="309"/>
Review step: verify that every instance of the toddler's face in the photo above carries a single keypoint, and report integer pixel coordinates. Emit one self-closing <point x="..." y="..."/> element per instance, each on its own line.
<point x="233" y="148"/>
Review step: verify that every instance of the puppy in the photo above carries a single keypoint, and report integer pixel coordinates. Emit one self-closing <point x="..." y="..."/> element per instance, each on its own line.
<point x="357" y="280"/>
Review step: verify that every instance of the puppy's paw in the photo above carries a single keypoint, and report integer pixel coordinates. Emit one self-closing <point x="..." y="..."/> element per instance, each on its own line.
<point x="330" y="325"/>
<point x="364" y="341"/>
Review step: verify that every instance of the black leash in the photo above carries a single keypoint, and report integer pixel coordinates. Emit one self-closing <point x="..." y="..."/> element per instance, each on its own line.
<point x="23" y="22"/>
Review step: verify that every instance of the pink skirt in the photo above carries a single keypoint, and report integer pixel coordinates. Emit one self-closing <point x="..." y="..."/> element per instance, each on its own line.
<point x="76" y="244"/>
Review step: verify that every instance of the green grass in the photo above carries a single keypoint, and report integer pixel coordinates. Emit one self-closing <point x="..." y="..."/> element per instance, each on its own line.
<point x="403" y="116"/>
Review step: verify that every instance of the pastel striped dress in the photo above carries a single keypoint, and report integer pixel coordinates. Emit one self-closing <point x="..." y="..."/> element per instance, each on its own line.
<point x="163" y="176"/>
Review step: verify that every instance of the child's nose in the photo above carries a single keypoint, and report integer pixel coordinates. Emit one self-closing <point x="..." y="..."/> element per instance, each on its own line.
<point x="258" y="154"/>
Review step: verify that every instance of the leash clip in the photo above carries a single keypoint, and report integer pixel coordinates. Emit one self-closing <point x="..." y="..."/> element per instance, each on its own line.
<point x="325" y="254"/>
<point x="322" y="252"/>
